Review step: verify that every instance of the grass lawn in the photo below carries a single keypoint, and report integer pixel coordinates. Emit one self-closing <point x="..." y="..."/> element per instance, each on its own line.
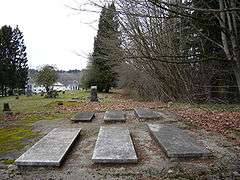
<point x="28" y="110"/>
<point x="38" y="103"/>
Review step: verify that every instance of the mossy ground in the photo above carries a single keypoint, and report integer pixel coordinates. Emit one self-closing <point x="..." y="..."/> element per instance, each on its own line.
<point x="11" y="138"/>
<point x="8" y="161"/>
<point x="28" y="110"/>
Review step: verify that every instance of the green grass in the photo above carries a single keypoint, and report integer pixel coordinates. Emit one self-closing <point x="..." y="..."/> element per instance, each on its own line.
<point x="30" y="110"/>
<point x="37" y="102"/>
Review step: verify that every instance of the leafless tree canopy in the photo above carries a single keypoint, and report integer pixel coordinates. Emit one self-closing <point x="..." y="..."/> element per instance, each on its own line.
<point x="180" y="50"/>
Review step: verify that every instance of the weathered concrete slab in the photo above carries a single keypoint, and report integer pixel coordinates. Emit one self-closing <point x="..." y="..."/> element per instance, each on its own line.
<point x="145" y="113"/>
<point x="51" y="149"/>
<point x="114" y="116"/>
<point x="114" y="145"/>
<point x="83" y="116"/>
<point x="175" y="142"/>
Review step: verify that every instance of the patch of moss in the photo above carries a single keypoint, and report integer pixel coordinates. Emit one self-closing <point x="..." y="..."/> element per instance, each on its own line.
<point x="8" y="161"/>
<point x="11" y="138"/>
<point x="28" y="120"/>
<point x="70" y="103"/>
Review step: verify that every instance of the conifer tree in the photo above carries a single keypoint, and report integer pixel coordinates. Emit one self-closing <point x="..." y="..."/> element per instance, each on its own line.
<point x="13" y="60"/>
<point x="106" y="51"/>
<point x="21" y="59"/>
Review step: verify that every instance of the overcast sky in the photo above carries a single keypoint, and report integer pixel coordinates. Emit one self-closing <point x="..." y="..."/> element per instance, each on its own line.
<point x="52" y="31"/>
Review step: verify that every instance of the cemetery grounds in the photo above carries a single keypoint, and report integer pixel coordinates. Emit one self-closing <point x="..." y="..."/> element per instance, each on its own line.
<point x="216" y="127"/>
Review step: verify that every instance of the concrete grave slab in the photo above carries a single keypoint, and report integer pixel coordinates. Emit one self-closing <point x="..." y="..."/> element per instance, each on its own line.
<point x="51" y="149"/>
<point x="114" y="145"/>
<point x="83" y="116"/>
<point x="176" y="143"/>
<point x="114" y="116"/>
<point x="146" y="113"/>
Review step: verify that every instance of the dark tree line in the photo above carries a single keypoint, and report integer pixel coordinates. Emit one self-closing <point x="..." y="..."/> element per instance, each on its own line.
<point x="104" y="59"/>
<point x="13" y="60"/>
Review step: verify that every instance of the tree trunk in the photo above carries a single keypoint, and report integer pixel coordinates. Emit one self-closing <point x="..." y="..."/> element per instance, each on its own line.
<point x="233" y="39"/>
<point x="234" y="56"/>
<point x="2" y="91"/>
<point x="47" y="89"/>
<point x="5" y="91"/>
<point x="10" y="92"/>
<point x="107" y="90"/>
<point x="236" y="70"/>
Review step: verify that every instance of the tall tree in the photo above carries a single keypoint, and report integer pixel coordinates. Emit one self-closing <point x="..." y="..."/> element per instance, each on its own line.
<point x="21" y="59"/>
<point x="13" y="58"/>
<point x="106" y="51"/>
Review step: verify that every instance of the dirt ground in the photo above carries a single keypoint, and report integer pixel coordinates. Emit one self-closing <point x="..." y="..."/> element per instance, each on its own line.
<point x="152" y="164"/>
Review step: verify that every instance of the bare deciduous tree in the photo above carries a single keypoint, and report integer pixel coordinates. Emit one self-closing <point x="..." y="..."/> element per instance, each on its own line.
<point x="171" y="51"/>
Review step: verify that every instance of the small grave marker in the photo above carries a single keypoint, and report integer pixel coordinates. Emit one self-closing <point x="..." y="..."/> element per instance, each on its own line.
<point x="83" y="116"/>
<point x="6" y="110"/>
<point x="114" y="116"/>
<point x="145" y="113"/>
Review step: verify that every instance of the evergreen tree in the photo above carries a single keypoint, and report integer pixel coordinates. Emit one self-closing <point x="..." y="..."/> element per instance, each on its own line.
<point x="21" y="59"/>
<point x="106" y="51"/>
<point x="13" y="60"/>
<point x="6" y="50"/>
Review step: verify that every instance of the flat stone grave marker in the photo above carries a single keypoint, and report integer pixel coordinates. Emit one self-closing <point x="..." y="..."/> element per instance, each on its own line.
<point x="51" y="149"/>
<point x="146" y="113"/>
<point x="176" y="143"/>
<point x="83" y="116"/>
<point x="114" y="116"/>
<point x="114" y="145"/>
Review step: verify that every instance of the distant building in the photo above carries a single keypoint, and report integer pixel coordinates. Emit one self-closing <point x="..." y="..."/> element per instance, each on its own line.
<point x="32" y="87"/>
<point x="67" y="85"/>
<point x="74" y="85"/>
<point x="59" y="87"/>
